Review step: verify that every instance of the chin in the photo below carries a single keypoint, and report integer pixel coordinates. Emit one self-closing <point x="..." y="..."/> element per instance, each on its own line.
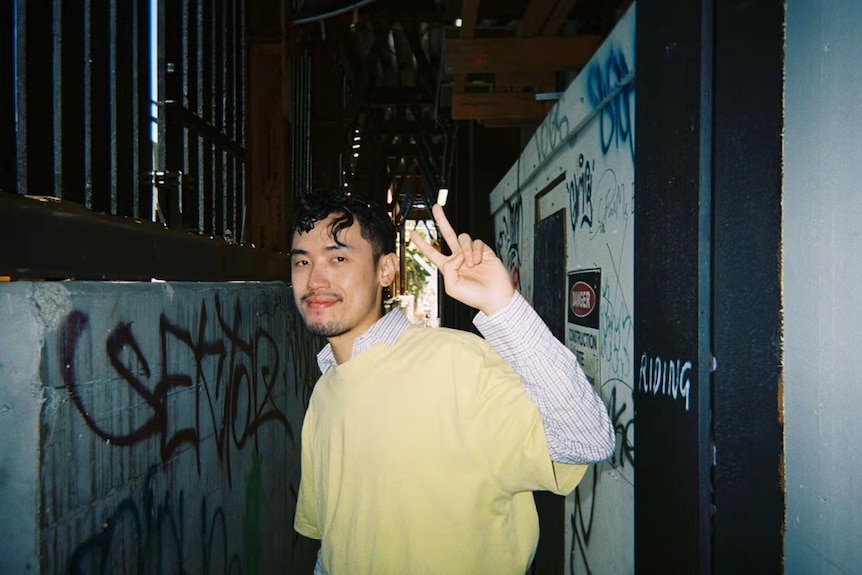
<point x="325" y="329"/>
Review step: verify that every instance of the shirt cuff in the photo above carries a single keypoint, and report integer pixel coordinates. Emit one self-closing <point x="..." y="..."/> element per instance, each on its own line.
<point x="512" y="329"/>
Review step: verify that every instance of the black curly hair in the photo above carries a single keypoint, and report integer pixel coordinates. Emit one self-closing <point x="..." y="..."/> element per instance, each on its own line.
<point x="374" y="223"/>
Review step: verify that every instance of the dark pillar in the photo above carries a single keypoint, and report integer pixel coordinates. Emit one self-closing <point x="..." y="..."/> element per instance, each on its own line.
<point x="747" y="397"/>
<point x="673" y="274"/>
<point x="708" y="491"/>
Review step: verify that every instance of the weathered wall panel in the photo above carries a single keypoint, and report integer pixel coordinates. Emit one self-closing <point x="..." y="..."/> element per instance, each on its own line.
<point x="821" y="279"/>
<point x="581" y="159"/>
<point x="149" y="427"/>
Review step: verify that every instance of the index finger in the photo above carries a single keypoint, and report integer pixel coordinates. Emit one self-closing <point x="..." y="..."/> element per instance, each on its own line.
<point x="446" y="229"/>
<point x="427" y="250"/>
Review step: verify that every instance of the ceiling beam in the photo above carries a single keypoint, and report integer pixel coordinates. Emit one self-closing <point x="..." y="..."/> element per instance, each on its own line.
<point x="536" y="15"/>
<point x="558" y="16"/>
<point x="499" y="106"/>
<point x="509" y="55"/>
<point x="469" y="16"/>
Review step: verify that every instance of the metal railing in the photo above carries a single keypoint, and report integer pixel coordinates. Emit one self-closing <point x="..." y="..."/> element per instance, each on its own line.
<point x="75" y="97"/>
<point x="78" y="125"/>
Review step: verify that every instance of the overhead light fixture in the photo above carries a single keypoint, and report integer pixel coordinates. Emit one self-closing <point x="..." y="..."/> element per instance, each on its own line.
<point x="442" y="195"/>
<point x="356" y="146"/>
<point x="458" y="22"/>
<point x="355" y="154"/>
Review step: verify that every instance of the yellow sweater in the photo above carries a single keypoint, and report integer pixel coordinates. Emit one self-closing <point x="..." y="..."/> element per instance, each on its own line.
<point x="421" y="458"/>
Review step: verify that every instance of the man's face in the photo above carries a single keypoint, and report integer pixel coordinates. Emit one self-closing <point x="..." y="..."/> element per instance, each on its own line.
<point x="338" y="288"/>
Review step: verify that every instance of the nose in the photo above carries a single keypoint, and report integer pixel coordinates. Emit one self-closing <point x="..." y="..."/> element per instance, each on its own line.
<point x="317" y="277"/>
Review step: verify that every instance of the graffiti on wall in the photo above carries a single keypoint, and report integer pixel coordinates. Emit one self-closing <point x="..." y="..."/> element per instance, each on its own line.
<point x="580" y="190"/>
<point x="147" y="531"/>
<point x="610" y="87"/>
<point x="616" y="338"/>
<point x="665" y="377"/>
<point x="231" y="378"/>
<point x="551" y="133"/>
<point x="303" y="349"/>
<point x="508" y="239"/>
<point x="203" y="389"/>
<point x="601" y="209"/>
<point x="614" y="204"/>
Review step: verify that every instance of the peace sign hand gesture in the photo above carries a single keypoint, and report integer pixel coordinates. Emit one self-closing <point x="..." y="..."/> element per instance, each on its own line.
<point x="473" y="274"/>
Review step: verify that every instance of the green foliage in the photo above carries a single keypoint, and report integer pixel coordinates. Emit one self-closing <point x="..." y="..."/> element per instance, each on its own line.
<point x="416" y="276"/>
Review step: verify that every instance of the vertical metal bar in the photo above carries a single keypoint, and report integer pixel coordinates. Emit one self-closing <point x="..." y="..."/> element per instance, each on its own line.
<point x="88" y="128"/>
<point x="100" y="105"/>
<point x="69" y="101"/>
<point x="229" y="85"/>
<point x="113" y="98"/>
<point x="218" y="48"/>
<point x="207" y="108"/>
<point x="229" y="111"/>
<point x="303" y="123"/>
<point x="292" y="97"/>
<point x="198" y="107"/>
<point x="191" y="198"/>
<point x="239" y="114"/>
<point x="35" y="75"/>
<point x="170" y="125"/>
<point x="308" y="76"/>
<point x="57" y="81"/>
<point x="8" y="176"/>
<point x="124" y="190"/>
<point x="143" y="164"/>
<point x="227" y="114"/>
<point x="306" y="124"/>
<point x="19" y="79"/>
<point x="240" y="75"/>
<point x="193" y="102"/>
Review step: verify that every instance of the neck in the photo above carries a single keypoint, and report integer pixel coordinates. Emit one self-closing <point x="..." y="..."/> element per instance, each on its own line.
<point x="342" y="345"/>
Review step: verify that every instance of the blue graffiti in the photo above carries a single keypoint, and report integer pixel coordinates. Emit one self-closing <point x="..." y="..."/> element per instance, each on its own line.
<point x="611" y="81"/>
<point x="551" y="133"/>
<point x="617" y="326"/>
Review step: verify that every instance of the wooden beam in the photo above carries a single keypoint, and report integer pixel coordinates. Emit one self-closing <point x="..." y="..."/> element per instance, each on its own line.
<point x="512" y="122"/>
<point x="542" y="81"/>
<point x="558" y="16"/>
<point x="508" y="55"/>
<point x="535" y="16"/>
<point x="469" y="16"/>
<point x="498" y="107"/>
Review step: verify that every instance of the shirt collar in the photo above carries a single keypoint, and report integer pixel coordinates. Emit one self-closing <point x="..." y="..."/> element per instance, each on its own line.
<point x="386" y="330"/>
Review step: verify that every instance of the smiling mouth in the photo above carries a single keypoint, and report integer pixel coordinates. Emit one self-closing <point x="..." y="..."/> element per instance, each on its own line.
<point x="320" y="300"/>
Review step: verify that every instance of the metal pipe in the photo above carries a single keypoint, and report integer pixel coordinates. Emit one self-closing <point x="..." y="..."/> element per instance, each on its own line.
<point x="336" y="12"/>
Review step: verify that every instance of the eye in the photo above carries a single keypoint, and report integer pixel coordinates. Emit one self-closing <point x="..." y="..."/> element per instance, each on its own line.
<point x="340" y="259"/>
<point x="300" y="263"/>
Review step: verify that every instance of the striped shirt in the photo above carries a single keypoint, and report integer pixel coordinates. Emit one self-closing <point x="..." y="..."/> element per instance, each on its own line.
<point x="575" y="420"/>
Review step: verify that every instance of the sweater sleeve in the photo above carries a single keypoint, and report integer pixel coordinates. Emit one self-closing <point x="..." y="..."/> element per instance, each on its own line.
<point x="576" y="422"/>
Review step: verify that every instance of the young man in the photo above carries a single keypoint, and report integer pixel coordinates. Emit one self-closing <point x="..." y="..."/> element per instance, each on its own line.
<point x="421" y="447"/>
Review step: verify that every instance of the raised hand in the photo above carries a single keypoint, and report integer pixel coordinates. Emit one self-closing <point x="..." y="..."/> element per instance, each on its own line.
<point x="473" y="274"/>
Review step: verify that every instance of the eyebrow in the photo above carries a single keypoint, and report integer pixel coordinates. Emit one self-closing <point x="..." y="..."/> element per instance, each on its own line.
<point x="329" y="248"/>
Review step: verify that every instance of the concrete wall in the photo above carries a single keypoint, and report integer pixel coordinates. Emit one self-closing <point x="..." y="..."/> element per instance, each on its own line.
<point x="581" y="160"/>
<point x="149" y="427"/>
<point x="822" y="279"/>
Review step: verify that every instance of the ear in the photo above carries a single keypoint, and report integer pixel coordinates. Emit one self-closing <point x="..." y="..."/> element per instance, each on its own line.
<point x="387" y="269"/>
